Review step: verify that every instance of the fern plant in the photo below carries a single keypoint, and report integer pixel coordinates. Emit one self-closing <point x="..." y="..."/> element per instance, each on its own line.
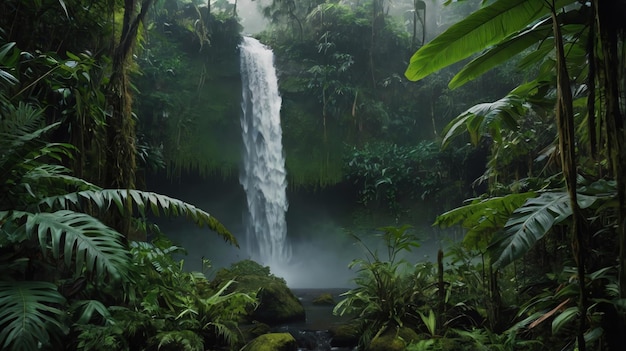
<point x="52" y="245"/>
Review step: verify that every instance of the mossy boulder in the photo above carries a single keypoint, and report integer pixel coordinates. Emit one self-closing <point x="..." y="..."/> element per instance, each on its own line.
<point x="325" y="299"/>
<point x="345" y="335"/>
<point x="393" y="340"/>
<point x="277" y="303"/>
<point x="272" y="342"/>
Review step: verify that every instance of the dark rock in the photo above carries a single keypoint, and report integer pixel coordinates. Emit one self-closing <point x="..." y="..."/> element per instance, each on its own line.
<point x="345" y="335"/>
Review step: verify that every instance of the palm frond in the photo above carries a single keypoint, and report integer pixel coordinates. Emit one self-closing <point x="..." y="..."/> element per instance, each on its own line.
<point x="145" y="202"/>
<point x="481" y="29"/>
<point x="27" y="312"/>
<point x="79" y="238"/>
<point x="531" y="222"/>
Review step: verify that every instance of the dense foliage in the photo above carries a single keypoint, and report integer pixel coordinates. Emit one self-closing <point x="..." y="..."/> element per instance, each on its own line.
<point x="539" y="91"/>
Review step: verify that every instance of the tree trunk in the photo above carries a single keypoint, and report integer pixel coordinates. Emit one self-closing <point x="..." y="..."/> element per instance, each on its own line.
<point x="120" y="131"/>
<point x="614" y="121"/>
<point x="567" y="148"/>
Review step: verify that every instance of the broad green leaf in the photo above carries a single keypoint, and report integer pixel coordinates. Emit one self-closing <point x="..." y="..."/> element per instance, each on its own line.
<point x="480" y="30"/>
<point x="531" y="222"/>
<point x="486" y="118"/>
<point x="483" y="218"/>
<point x="564" y="318"/>
<point x="81" y="238"/>
<point x="86" y="310"/>
<point x="500" y="53"/>
<point x="28" y="313"/>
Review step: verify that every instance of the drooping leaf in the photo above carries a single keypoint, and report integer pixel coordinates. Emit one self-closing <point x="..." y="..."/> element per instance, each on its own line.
<point x="531" y="222"/>
<point x="564" y="318"/>
<point x="500" y="53"/>
<point x="28" y="313"/>
<point x="86" y="309"/>
<point x="483" y="217"/>
<point x="482" y="29"/>
<point x="486" y="118"/>
<point x="157" y="204"/>
<point x="80" y="239"/>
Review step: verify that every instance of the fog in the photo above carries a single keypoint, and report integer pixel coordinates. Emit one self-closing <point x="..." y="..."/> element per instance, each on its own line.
<point x="318" y="226"/>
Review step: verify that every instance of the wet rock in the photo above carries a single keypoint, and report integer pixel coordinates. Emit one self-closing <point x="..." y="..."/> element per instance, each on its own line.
<point x="345" y="335"/>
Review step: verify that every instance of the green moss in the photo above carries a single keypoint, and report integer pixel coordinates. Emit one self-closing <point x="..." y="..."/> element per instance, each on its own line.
<point x="272" y="342"/>
<point x="324" y="299"/>
<point x="277" y="303"/>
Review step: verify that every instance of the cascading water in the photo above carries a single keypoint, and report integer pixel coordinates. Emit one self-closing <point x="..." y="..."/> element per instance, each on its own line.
<point x="263" y="172"/>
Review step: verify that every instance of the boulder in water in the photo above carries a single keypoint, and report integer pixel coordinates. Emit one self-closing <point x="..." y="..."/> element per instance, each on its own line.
<point x="325" y="299"/>
<point x="277" y="303"/>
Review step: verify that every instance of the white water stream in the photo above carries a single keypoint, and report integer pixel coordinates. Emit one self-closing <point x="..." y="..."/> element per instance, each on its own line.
<point x="263" y="173"/>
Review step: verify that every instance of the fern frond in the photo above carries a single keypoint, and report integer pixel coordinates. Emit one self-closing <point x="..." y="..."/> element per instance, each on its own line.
<point x="186" y="340"/>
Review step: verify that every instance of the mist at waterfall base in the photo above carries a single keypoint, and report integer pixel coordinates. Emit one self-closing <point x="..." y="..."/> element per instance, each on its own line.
<point x="318" y="223"/>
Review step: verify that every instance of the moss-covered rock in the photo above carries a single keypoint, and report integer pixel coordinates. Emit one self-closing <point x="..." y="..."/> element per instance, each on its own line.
<point x="277" y="303"/>
<point x="393" y="340"/>
<point x="324" y="299"/>
<point x="345" y="335"/>
<point x="272" y="342"/>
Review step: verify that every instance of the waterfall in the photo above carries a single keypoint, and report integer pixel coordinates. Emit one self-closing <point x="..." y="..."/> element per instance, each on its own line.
<point x="263" y="173"/>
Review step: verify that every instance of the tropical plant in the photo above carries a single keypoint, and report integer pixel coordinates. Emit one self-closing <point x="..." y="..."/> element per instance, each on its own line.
<point x="50" y="234"/>
<point x="388" y="291"/>
<point x="169" y="308"/>
<point x="566" y="36"/>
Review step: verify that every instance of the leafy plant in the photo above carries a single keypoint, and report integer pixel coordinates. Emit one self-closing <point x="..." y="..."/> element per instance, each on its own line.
<point x="50" y="233"/>
<point x="169" y="308"/>
<point x="387" y="294"/>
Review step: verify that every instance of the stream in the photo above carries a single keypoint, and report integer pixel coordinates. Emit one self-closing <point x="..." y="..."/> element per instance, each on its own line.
<point x="313" y="333"/>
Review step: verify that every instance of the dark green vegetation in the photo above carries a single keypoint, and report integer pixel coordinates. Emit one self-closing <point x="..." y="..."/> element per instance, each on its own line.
<point x="96" y="95"/>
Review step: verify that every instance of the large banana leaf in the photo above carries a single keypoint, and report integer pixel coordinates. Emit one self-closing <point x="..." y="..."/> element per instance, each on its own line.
<point x="500" y="53"/>
<point x="480" y="30"/>
<point x="157" y="204"/>
<point x="27" y="314"/>
<point x="531" y="222"/>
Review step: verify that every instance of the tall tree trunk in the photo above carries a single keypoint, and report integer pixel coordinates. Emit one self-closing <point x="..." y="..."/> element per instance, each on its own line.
<point x="567" y="147"/>
<point x="120" y="131"/>
<point x="608" y="32"/>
